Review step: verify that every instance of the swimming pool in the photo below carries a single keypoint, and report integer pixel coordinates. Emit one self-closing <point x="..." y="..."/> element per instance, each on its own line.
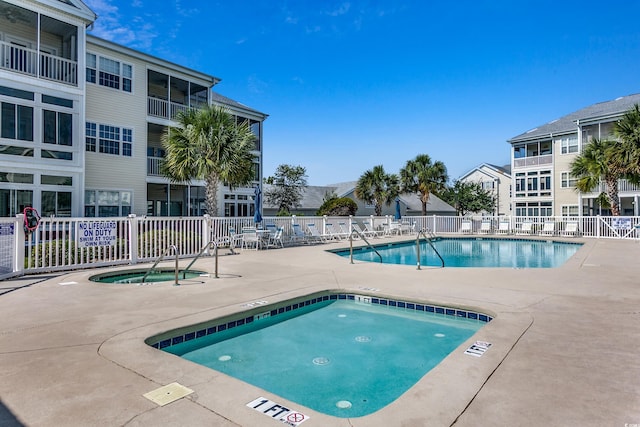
<point x="340" y="354"/>
<point x="472" y="252"/>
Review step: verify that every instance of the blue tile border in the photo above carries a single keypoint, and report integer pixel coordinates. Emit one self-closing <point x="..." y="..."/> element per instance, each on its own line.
<point x="199" y="331"/>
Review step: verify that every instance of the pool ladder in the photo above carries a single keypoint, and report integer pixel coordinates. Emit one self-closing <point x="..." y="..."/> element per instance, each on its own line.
<point x="215" y="253"/>
<point x="428" y="236"/>
<point x="173" y="248"/>
<point x="365" y="240"/>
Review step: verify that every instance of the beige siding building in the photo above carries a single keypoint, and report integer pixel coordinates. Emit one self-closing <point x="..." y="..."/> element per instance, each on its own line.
<point x="541" y="159"/>
<point x="82" y="120"/>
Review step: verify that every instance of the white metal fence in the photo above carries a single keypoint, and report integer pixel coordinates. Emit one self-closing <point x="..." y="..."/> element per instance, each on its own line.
<point x="73" y="243"/>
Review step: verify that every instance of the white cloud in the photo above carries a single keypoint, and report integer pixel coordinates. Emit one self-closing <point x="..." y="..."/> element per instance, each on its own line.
<point x="343" y="9"/>
<point x="111" y="25"/>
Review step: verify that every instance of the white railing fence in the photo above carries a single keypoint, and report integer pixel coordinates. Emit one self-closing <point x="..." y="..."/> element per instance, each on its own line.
<point x="60" y="244"/>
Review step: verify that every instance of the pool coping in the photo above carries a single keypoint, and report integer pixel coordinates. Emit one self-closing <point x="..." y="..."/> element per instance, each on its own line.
<point x="450" y="386"/>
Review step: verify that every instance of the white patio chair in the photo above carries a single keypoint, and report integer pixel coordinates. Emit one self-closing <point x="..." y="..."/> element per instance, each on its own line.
<point x="275" y="238"/>
<point x="298" y="235"/>
<point x="371" y="231"/>
<point x="360" y="232"/>
<point x="548" y="229"/>
<point x="485" y="226"/>
<point x="250" y="238"/>
<point x="571" y="229"/>
<point x="333" y="233"/>
<point x="526" y="228"/>
<point x="314" y="234"/>
<point x="504" y="227"/>
<point x="466" y="227"/>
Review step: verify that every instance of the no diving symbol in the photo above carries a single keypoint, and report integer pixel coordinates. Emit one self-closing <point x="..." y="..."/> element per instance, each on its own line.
<point x="296" y="417"/>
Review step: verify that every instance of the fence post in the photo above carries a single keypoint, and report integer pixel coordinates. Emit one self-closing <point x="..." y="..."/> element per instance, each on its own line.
<point x="598" y="226"/>
<point x="206" y="232"/>
<point x="19" y="243"/>
<point x="324" y="225"/>
<point x="434" y="224"/>
<point x="132" y="222"/>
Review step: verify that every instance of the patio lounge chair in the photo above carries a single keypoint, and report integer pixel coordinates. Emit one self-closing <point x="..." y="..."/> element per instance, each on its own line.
<point x="345" y="231"/>
<point x="372" y="231"/>
<point x="333" y="233"/>
<point x="571" y="229"/>
<point x="526" y="228"/>
<point x="548" y="229"/>
<point x="314" y="234"/>
<point x="233" y="239"/>
<point x="466" y="227"/>
<point x="360" y="232"/>
<point x="485" y="226"/>
<point x="504" y="226"/>
<point x="297" y="234"/>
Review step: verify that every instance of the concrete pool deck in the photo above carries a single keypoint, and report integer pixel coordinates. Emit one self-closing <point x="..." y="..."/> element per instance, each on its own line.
<point x="564" y="342"/>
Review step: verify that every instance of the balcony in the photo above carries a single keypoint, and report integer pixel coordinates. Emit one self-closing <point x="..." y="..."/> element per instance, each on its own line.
<point x="154" y="165"/>
<point x="42" y="65"/>
<point x="38" y="45"/>
<point x="523" y="162"/>
<point x="164" y="109"/>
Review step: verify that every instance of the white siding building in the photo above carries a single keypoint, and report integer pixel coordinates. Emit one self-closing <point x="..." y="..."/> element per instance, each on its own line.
<point x="496" y="180"/>
<point x="81" y="120"/>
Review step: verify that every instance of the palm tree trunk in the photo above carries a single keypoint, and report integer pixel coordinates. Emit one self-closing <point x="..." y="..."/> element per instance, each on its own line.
<point x="424" y="198"/>
<point x="612" y="195"/>
<point x="211" y="194"/>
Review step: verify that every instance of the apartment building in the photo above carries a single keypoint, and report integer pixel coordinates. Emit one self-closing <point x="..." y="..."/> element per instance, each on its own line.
<point x="82" y="120"/>
<point x="496" y="180"/>
<point x="541" y="159"/>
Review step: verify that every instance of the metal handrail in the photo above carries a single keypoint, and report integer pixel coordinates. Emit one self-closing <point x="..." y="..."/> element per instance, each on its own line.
<point x="428" y="239"/>
<point x="160" y="258"/>
<point x="215" y="254"/>
<point x="365" y="240"/>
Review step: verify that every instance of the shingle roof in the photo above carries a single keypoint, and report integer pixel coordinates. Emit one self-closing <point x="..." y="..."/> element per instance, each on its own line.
<point x="221" y="99"/>
<point x="567" y="124"/>
<point x="312" y="196"/>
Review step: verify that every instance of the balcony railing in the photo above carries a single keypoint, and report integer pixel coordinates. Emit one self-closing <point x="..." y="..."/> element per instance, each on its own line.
<point x="154" y="164"/>
<point x="164" y="109"/>
<point x="522" y="162"/>
<point x="23" y="60"/>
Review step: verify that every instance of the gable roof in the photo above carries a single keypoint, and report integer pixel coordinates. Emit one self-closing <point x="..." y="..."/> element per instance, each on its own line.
<point x="568" y="124"/>
<point x="500" y="170"/>
<point x="312" y="196"/>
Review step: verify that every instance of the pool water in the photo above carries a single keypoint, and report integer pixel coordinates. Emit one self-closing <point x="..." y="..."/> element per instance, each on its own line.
<point x="135" y="276"/>
<point x="472" y="252"/>
<point x="346" y="358"/>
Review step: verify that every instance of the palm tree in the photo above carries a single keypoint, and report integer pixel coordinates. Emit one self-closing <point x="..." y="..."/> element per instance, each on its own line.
<point x="376" y="187"/>
<point x="599" y="162"/>
<point x="627" y="129"/>
<point x="423" y="177"/>
<point x="208" y="144"/>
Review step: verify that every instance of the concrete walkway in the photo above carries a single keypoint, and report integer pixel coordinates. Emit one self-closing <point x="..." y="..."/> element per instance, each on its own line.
<point x="564" y="351"/>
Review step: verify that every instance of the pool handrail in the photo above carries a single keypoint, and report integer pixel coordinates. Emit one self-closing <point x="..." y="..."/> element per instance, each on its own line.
<point x="354" y="230"/>
<point x="424" y="232"/>
<point x="160" y="258"/>
<point x="215" y="253"/>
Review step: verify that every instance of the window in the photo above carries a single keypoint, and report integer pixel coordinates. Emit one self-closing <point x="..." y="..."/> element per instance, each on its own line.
<point x="566" y="180"/>
<point x="54" y="100"/>
<point x="90" y="137"/>
<point x="18" y="178"/>
<point x="570" y="210"/>
<point x="57" y="128"/>
<point x="91" y="68"/>
<point x="107" y="203"/>
<point x="109" y="139"/>
<point x="127" y="139"/>
<point x="16" y="122"/>
<point x="109" y="73"/>
<point x="56" y="180"/>
<point x="569" y="145"/>
<point x="488" y="185"/>
<point x="533" y="184"/>
<point x="13" y="202"/>
<point x="127" y="75"/>
<point x="534" y="209"/>
<point x="58" y="155"/>
<point x="56" y="203"/>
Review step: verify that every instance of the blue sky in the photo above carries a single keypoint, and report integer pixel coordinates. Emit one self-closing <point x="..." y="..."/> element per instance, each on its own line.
<point x="353" y="84"/>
